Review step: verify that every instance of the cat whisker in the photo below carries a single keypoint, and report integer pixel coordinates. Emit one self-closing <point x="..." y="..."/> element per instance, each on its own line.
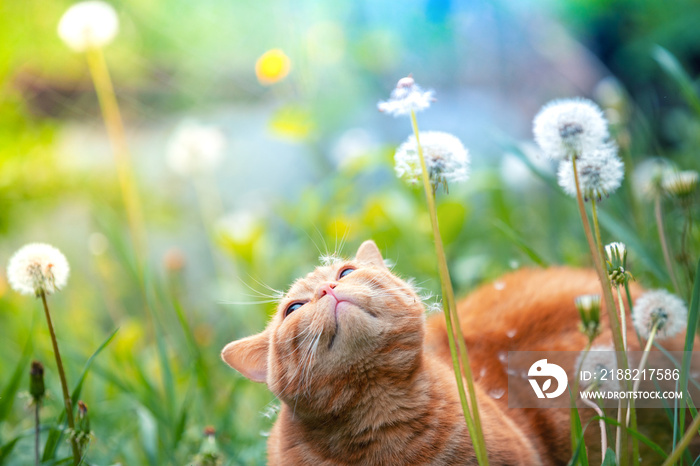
<point x="249" y="303"/>
<point x="275" y="293"/>
<point x="339" y="248"/>
<point x="325" y="245"/>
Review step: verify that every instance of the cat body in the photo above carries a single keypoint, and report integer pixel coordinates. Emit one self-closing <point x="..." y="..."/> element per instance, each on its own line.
<point x="365" y="379"/>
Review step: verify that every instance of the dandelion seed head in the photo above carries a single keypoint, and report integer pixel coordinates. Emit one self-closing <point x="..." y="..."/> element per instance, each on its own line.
<point x="405" y="97"/>
<point x="648" y="176"/>
<point x="89" y="24"/>
<point x="434" y="307"/>
<point x="271" y="411"/>
<point x="37" y="267"/>
<point x="659" y="307"/>
<point x="446" y="159"/>
<point x="241" y="226"/>
<point x="680" y="184"/>
<point x="600" y="173"/>
<point x="569" y="127"/>
<point x="194" y="149"/>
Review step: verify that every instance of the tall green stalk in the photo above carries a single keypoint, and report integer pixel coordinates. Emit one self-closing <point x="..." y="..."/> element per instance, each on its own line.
<point x="117" y="137"/>
<point x="683" y="444"/>
<point x="658" y="214"/>
<point x="64" y="384"/>
<point x="610" y="308"/>
<point x="623" y="322"/>
<point x="473" y="423"/>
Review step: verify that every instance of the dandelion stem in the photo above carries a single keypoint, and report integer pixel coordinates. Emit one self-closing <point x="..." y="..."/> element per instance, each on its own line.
<point x="664" y="243"/>
<point x="683" y="444"/>
<point x="577" y="376"/>
<point x="473" y="424"/>
<point x="596" y="229"/>
<point x="601" y="423"/>
<point x="645" y="357"/>
<point x="597" y="256"/>
<point x="37" y="427"/>
<point x="115" y="130"/>
<point x="685" y="246"/>
<point x="623" y="315"/>
<point x="64" y="384"/>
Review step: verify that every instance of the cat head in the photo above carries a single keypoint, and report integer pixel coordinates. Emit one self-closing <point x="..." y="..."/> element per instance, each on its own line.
<point x="341" y="329"/>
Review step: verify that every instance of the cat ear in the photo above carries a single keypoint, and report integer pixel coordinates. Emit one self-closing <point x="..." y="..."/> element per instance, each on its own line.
<point x="369" y="252"/>
<point x="249" y="356"/>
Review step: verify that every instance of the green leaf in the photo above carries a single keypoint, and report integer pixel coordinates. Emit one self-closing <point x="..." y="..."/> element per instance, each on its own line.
<point x="7" y="448"/>
<point x="609" y="459"/>
<point x="517" y="239"/>
<point x="54" y="437"/>
<point x="577" y="440"/>
<point x="673" y="68"/>
<point x="641" y="437"/>
<point x="7" y="397"/>
<point x="689" y="342"/>
<point x="627" y="235"/>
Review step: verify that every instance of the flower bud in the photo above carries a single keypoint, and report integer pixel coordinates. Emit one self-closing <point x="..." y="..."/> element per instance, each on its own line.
<point x="36" y="382"/>
<point x="588" y="307"/>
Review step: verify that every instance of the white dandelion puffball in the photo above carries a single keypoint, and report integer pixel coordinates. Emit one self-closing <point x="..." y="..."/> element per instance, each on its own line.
<point x="680" y="184"/>
<point x="88" y="24"/>
<point x="659" y="307"/>
<point x="240" y="226"/>
<point x="599" y="361"/>
<point x="647" y="178"/>
<point x="405" y="97"/>
<point x="195" y="149"/>
<point x="37" y="267"/>
<point x="600" y="173"/>
<point x="569" y="127"/>
<point x="446" y="159"/>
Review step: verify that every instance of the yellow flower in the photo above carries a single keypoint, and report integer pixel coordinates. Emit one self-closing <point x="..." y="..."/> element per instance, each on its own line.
<point x="272" y="66"/>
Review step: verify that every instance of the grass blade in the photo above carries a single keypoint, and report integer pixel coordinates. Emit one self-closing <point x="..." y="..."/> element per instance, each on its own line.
<point x="673" y="68"/>
<point x="689" y="342"/>
<point x="7" y="448"/>
<point x="631" y="239"/>
<point x="641" y="437"/>
<point x="54" y="438"/>
<point x="515" y="237"/>
<point x="577" y="440"/>
<point x="7" y="397"/>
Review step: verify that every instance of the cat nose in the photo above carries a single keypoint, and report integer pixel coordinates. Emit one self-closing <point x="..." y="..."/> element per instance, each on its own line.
<point x="326" y="288"/>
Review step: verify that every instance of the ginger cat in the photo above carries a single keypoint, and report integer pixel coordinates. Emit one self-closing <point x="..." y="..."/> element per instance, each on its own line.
<point x="365" y="379"/>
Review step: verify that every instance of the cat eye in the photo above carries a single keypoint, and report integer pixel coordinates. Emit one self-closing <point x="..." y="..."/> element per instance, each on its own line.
<point x="345" y="271"/>
<point x="292" y="307"/>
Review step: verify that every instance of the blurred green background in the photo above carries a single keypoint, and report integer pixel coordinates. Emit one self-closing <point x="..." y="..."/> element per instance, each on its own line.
<point x="308" y="170"/>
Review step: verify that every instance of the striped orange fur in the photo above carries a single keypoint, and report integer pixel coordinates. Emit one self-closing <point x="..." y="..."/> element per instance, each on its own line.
<point x="365" y="379"/>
